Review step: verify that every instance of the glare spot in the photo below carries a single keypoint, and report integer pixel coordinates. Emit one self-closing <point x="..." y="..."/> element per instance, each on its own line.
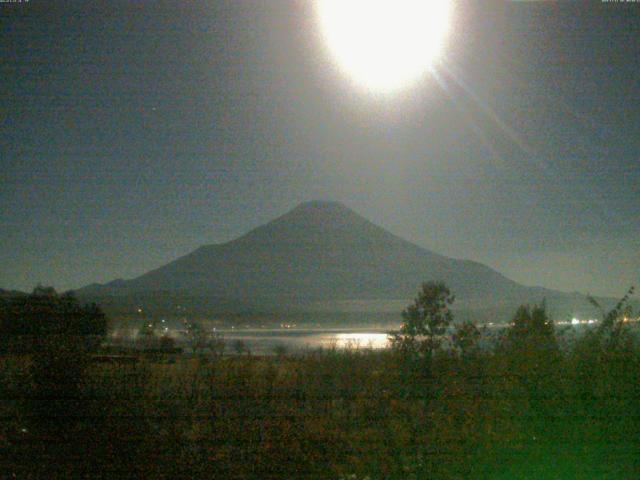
<point x="362" y="340"/>
<point x="385" y="44"/>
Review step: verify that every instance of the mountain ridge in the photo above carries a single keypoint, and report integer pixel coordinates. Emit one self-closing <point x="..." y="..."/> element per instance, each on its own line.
<point x="320" y="251"/>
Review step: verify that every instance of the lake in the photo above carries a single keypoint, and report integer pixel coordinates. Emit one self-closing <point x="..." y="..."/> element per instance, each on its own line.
<point x="292" y="339"/>
<point x="263" y="342"/>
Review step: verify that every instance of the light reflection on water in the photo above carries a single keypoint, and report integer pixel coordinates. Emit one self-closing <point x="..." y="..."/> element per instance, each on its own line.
<point x="268" y="341"/>
<point x="296" y="340"/>
<point x="361" y="339"/>
<point x="263" y="342"/>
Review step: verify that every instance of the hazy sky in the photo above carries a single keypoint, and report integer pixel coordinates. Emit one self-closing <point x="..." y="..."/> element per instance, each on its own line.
<point x="133" y="132"/>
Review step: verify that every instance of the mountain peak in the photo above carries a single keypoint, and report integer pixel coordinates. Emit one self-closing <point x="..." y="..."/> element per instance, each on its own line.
<point x="322" y="205"/>
<point x="320" y="213"/>
<point x="310" y="219"/>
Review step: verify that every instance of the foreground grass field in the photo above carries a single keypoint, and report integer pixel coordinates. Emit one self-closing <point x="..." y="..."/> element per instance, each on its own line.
<point x="333" y="414"/>
<point x="529" y="404"/>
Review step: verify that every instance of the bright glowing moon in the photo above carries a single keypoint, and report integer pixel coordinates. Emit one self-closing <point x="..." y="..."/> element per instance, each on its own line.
<point x="385" y="44"/>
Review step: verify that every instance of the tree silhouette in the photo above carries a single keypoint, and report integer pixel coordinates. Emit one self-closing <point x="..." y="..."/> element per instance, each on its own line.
<point x="425" y="320"/>
<point x="33" y="320"/>
<point x="465" y="337"/>
<point x="530" y="349"/>
<point x="59" y="334"/>
<point x="531" y="329"/>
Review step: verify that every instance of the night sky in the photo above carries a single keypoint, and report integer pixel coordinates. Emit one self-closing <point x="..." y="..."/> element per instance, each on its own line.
<point x="134" y="132"/>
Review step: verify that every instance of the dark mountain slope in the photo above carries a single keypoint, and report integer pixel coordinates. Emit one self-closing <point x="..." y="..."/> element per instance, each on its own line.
<point x="320" y="251"/>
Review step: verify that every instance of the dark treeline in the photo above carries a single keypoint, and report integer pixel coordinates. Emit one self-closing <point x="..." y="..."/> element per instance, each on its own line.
<point x="524" y="409"/>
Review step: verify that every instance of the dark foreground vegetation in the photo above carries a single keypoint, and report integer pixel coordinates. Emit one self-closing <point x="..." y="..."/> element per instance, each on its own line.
<point x="524" y="409"/>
